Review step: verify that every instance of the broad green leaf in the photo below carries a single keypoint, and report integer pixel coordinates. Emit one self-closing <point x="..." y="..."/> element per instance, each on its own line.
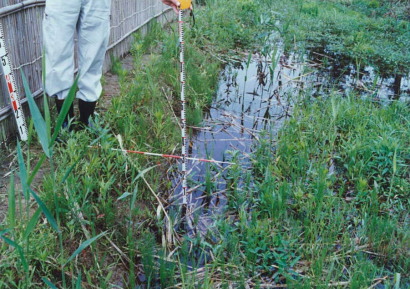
<point x="19" y="249"/>
<point x="78" y="285"/>
<point x="64" y="110"/>
<point x="83" y="246"/>
<point x="23" y="171"/>
<point x="12" y="204"/>
<point x="70" y="169"/>
<point x="39" y="122"/>
<point x="143" y="172"/>
<point x="249" y="60"/>
<point x="36" y="168"/>
<point x="47" y="116"/>
<point x="45" y="99"/>
<point x="395" y="161"/>
<point x="4" y="232"/>
<point x="30" y="132"/>
<point x="123" y="196"/>
<point x="32" y="223"/>
<point x="46" y="212"/>
<point x="134" y="193"/>
<point x="49" y="284"/>
<point x="397" y="278"/>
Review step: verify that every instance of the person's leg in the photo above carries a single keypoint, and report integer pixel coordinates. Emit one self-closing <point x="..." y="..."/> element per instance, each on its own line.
<point x="86" y="109"/>
<point x="59" y="24"/>
<point x="93" y="35"/>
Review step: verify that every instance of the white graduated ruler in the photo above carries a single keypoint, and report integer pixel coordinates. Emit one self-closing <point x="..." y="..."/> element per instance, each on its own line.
<point x="183" y="111"/>
<point x="12" y="88"/>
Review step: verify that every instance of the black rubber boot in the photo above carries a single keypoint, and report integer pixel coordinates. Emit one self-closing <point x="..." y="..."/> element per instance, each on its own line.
<point x="70" y="114"/>
<point x="86" y="111"/>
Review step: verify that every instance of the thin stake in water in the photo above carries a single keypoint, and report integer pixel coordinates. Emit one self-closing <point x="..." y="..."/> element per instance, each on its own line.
<point x="12" y="88"/>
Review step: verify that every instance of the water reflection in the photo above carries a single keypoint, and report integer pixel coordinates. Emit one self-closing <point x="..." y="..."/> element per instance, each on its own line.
<point x="252" y="102"/>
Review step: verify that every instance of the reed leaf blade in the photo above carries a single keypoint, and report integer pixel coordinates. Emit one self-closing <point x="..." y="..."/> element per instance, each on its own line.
<point x="23" y="171"/>
<point x="78" y="284"/>
<point x="32" y="223"/>
<point x="20" y="251"/>
<point x="83" y="246"/>
<point x="12" y="204"/>
<point x="45" y="210"/>
<point x="64" y="110"/>
<point x="39" y="122"/>
<point x="48" y="283"/>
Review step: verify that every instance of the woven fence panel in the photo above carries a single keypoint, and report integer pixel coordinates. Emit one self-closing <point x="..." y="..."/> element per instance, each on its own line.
<point x="22" y="25"/>
<point x="5" y="3"/>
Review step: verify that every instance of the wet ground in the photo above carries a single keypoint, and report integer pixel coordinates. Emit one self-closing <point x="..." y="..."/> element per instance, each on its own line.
<point x="252" y="102"/>
<point x="330" y="74"/>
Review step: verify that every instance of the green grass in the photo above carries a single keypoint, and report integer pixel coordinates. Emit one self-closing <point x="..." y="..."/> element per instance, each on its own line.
<point x="351" y="31"/>
<point x="103" y="204"/>
<point x="328" y="205"/>
<point x="308" y="225"/>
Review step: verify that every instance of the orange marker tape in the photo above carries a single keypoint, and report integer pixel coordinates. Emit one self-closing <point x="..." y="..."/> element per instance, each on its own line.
<point x="185" y="4"/>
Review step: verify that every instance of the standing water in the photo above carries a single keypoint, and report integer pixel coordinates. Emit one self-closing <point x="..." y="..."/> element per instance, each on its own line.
<point x="250" y="104"/>
<point x="253" y="100"/>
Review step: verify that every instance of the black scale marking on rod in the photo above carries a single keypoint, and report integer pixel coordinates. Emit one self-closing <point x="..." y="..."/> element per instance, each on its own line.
<point x="12" y="88"/>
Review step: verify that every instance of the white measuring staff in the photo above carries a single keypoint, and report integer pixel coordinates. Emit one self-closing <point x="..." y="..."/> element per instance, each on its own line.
<point x="183" y="111"/>
<point x="12" y="88"/>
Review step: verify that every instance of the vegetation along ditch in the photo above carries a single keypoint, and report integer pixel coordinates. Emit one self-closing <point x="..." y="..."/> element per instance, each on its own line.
<point x="308" y="99"/>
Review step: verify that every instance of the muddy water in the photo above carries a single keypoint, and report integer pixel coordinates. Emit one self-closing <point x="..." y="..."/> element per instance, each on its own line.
<point x="253" y="100"/>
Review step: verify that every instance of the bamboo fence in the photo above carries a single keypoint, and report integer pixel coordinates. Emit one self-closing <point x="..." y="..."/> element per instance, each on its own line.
<point x="22" y="25"/>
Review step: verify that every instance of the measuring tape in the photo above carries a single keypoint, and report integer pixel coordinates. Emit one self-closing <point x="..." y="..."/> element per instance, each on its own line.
<point x="184" y="4"/>
<point x="12" y="88"/>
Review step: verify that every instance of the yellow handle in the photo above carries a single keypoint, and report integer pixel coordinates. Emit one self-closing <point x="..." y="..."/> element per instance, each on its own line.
<point x="185" y="4"/>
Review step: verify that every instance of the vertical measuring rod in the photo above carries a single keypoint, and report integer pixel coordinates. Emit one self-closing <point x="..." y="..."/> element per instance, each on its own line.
<point x="183" y="111"/>
<point x="12" y="88"/>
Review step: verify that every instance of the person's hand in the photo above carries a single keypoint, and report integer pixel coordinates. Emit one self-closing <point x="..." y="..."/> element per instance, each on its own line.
<point x="173" y="3"/>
